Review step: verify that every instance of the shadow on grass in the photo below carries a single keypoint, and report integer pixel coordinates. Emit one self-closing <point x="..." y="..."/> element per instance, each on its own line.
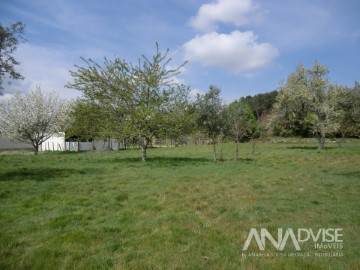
<point x="302" y="147"/>
<point x="310" y="148"/>
<point x="38" y="174"/>
<point x="355" y="174"/>
<point x="245" y="159"/>
<point x="162" y="161"/>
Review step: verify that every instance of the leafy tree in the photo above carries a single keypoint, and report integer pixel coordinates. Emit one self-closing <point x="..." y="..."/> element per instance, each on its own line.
<point x="180" y="118"/>
<point x="210" y="115"/>
<point x="86" y="121"/>
<point x="10" y="38"/>
<point x="260" y="104"/>
<point x="33" y="118"/>
<point x="138" y="97"/>
<point x="348" y="103"/>
<point x="107" y="92"/>
<point x="241" y="121"/>
<point x="289" y="111"/>
<point x="154" y="93"/>
<point x="323" y="117"/>
<point x="306" y="105"/>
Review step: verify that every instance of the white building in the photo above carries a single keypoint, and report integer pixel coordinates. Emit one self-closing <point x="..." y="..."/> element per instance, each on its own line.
<point x="54" y="143"/>
<point x="57" y="143"/>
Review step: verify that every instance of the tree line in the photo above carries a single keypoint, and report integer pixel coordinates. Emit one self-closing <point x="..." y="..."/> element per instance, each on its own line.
<point x="142" y="101"/>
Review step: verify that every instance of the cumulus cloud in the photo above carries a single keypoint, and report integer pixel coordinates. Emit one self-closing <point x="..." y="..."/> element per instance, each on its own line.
<point x="237" y="52"/>
<point x="224" y="11"/>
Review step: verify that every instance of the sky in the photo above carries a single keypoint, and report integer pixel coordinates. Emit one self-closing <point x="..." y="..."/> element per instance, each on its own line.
<point x="245" y="47"/>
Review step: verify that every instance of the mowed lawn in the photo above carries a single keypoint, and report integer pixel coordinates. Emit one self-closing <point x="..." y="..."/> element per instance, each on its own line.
<point x="179" y="210"/>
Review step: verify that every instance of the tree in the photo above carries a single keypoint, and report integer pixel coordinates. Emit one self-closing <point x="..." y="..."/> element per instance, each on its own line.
<point x="348" y="103"/>
<point x="210" y="115"/>
<point x="153" y="96"/>
<point x="180" y="118"/>
<point x="306" y="105"/>
<point x="289" y="111"/>
<point x="33" y="118"/>
<point x="323" y="117"/>
<point x="139" y="97"/>
<point x="241" y="121"/>
<point x="260" y="104"/>
<point x="10" y="38"/>
<point x="86" y="121"/>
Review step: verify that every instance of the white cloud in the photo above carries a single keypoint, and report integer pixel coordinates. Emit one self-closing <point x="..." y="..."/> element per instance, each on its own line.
<point x="224" y="11"/>
<point x="194" y="92"/>
<point x="237" y="52"/>
<point x="48" y="68"/>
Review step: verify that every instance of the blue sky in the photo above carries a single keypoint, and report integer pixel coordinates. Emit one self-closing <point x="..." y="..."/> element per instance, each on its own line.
<point x="243" y="46"/>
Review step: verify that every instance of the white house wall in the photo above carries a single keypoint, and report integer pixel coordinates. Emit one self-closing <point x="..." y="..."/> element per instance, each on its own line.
<point x="54" y="143"/>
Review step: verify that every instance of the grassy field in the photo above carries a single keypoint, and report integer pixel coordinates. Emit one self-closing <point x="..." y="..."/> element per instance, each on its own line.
<point x="179" y="210"/>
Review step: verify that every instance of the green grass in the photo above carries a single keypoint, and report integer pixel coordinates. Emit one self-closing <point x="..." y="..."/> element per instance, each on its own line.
<point x="179" y="210"/>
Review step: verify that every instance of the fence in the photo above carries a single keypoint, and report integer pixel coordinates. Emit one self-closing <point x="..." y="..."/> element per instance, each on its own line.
<point x="7" y="144"/>
<point x="89" y="146"/>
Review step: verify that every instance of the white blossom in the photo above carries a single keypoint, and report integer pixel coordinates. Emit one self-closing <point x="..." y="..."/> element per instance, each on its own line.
<point x="33" y="118"/>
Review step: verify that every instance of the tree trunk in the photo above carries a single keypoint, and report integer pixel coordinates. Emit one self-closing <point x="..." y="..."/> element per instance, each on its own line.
<point x="321" y="141"/>
<point x="36" y="146"/>
<point x="237" y="149"/>
<point x="214" y="150"/>
<point x="253" y="145"/>
<point x="144" y="142"/>
<point x="221" y="148"/>
<point x="342" y="139"/>
<point x="143" y="153"/>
